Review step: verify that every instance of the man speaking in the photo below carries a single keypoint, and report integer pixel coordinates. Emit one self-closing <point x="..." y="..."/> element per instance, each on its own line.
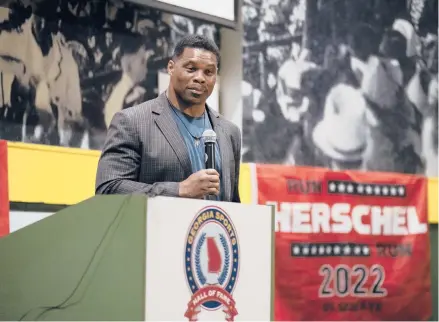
<point x="158" y="147"/>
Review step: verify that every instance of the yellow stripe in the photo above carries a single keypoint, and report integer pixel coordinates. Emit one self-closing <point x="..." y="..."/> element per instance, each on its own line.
<point x="433" y="200"/>
<point x="245" y="184"/>
<point x="65" y="176"/>
<point x="51" y="175"/>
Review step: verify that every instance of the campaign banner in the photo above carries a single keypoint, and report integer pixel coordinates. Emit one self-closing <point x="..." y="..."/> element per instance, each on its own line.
<point x="349" y="245"/>
<point x="4" y="196"/>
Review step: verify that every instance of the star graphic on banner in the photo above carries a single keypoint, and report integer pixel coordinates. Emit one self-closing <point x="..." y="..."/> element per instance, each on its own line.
<point x="377" y="190"/>
<point x="341" y="187"/>
<point x="401" y="191"/>
<point x="369" y="190"/>
<point x="328" y="250"/>
<point x="296" y="250"/>
<point x="357" y="250"/>
<point x="332" y="186"/>
<point x="393" y="191"/>
<point x="305" y="250"/>
<point x="321" y="250"/>
<point x="313" y="250"/>
<point x="337" y="250"/>
<point x="347" y="250"/>
<point x="385" y="191"/>
<point x="365" y="250"/>
<point x="350" y="188"/>
<point x="360" y="188"/>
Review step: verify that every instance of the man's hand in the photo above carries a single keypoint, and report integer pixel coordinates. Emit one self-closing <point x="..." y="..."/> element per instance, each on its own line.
<point x="200" y="184"/>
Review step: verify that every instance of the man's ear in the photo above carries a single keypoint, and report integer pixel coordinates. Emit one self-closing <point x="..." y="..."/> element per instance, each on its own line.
<point x="171" y="66"/>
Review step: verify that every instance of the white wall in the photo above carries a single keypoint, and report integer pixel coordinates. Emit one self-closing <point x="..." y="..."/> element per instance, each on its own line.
<point x="20" y="219"/>
<point x="231" y="75"/>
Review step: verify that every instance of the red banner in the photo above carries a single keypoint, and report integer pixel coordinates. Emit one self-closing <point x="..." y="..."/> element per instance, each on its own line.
<point x="4" y="196"/>
<point x="349" y="245"/>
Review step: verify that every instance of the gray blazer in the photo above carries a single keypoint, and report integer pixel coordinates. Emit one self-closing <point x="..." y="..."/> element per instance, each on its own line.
<point x="145" y="153"/>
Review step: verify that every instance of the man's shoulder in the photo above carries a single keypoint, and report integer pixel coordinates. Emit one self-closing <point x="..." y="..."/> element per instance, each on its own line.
<point x="141" y="110"/>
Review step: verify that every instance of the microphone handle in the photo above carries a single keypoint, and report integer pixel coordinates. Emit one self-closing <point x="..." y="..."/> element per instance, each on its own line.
<point x="209" y="149"/>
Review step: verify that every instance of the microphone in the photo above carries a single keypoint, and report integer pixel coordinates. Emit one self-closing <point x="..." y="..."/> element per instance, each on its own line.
<point x="209" y="137"/>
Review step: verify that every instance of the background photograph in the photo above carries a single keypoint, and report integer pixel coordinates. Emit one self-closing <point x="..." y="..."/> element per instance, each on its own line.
<point x="67" y="66"/>
<point x="342" y="84"/>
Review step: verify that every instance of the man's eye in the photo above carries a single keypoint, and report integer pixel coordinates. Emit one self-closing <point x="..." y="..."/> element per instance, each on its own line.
<point x="209" y="72"/>
<point x="191" y="69"/>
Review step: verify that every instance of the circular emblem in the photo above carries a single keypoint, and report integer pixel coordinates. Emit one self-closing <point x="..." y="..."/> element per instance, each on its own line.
<point x="212" y="261"/>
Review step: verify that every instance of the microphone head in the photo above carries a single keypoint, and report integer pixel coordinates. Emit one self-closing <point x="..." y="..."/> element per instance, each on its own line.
<point x="209" y="136"/>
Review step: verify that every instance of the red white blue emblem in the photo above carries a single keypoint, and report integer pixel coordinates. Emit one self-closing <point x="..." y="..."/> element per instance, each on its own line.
<point x="211" y="263"/>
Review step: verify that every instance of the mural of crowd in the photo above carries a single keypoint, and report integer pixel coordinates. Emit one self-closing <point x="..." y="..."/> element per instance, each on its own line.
<point x="66" y="66"/>
<point x="342" y="84"/>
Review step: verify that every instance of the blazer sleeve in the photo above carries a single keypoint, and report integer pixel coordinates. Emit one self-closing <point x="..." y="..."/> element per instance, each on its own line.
<point x="119" y="164"/>
<point x="237" y="154"/>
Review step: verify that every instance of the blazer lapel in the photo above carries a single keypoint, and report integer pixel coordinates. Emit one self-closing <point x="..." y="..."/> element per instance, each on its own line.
<point x="225" y="150"/>
<point x="165" y="121"/>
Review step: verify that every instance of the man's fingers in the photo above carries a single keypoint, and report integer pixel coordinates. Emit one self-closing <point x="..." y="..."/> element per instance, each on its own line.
<point x="213" y="178"/>
<point x="212" y="172"/>
<point x="213" y="191"/>
<point x="213" y="185"/>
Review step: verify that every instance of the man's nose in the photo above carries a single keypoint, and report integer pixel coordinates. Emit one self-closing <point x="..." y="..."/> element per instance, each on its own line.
<point x="199" y="77"/>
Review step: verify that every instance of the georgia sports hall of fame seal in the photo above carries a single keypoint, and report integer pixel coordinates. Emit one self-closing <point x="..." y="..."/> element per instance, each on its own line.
<point x="211" y="264"/>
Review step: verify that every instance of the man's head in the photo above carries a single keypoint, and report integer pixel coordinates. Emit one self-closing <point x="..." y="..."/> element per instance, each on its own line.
<point x="193" y="69"/>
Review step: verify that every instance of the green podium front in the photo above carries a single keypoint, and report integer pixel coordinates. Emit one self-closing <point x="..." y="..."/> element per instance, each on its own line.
<point x="134" y="258"/>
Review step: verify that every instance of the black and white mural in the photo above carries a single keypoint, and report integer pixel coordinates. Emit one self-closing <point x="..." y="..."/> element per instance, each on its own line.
<point x="67" y="66"/>
<point x="342" y="84"/>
